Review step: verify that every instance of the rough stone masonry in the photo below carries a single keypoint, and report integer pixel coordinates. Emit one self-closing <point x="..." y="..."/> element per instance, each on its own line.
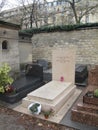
<point x="86" y="42"/>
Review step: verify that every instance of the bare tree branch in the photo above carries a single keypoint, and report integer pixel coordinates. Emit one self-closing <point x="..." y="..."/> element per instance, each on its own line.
<point x="87" y="11"/>
<point x="2" y="4"/>
<point x="80" y="6"/>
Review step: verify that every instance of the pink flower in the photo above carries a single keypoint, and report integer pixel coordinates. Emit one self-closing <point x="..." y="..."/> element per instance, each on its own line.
<point x="61" y="78"/>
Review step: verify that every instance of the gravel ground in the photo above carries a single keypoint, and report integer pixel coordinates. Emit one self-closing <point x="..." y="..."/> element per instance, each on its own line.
<point x="13" y="120"/>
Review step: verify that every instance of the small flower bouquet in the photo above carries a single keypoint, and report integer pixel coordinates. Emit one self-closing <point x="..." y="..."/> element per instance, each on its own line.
<point x="48" y="113"/>
<point x="9" y="89"/>
<point x="35" y="108"/>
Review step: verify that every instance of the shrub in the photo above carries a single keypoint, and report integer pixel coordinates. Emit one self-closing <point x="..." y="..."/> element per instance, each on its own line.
<point x="58" y="28"/>
<point x="5" y="79"/>
<point x="96" y="92"/>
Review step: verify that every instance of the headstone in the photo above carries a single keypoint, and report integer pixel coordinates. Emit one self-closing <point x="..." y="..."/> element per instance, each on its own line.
<point x="34" y="70"/>
<point x="81" y="74"/>
<point x="43" y="63"/>
<point x="63" y="65"/>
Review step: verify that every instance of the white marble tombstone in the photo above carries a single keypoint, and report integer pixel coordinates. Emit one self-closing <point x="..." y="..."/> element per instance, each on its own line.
<point x="63" y="65"/>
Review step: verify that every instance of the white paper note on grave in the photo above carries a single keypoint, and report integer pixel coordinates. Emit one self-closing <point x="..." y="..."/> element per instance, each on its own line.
<point x="63" y="65"/>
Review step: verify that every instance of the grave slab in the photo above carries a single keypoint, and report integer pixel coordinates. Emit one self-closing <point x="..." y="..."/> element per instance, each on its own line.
<point x="52" y="95"/>
<point x="51" y="91"/>
<point x="58" y="116"/>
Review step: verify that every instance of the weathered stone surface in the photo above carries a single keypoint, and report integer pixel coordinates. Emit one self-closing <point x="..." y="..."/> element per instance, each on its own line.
<point x="52" y="95"/>
<point x="90" y="100"/>
<point x="11" y="54"/>
<point x="86" y="109"/>
<point x="84" y="117"/>
<point x="93" y="76"/>
<point x="63" y="64"/>
<point x="86" y="42"/>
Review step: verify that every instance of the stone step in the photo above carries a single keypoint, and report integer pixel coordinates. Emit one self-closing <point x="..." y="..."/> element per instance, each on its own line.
<point x="88" y="108"/>
<point x="50" y="92"/>
<point x="45" y="106"/>
<point x="84" y="117"/>
<point x="55" y="117"/>
<point x="56" y="104"/>
<point x="89" y="100"/>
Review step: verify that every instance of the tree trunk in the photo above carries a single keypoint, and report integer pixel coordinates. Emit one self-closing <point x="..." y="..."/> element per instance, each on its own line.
<point x="74" y="11"/>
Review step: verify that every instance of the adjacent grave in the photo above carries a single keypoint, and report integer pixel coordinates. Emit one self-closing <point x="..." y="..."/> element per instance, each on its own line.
<point x="57" y="92"/>
<point x="86" y="110"/>
<point x="31" y="80"/>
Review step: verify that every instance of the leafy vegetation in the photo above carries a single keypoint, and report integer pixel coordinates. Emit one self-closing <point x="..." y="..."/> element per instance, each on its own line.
<point x="96" y="93"/>
<point x="5" y="79"/>
<point x="59" y="28"/>
<point x="48" y="113"/>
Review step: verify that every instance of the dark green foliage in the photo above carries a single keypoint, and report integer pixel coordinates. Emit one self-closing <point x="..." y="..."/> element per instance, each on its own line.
<point x="59" y="28"/>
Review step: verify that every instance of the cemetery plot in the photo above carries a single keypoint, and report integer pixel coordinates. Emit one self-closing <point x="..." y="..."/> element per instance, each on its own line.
<point x="25" y="84"/>
<point x="61" y="91"/>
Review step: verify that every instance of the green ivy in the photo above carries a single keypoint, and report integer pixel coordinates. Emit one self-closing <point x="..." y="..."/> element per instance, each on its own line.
<point x="59" y="28"/>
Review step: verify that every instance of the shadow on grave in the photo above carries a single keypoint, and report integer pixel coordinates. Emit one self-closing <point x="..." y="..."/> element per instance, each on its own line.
<point x="29" y="81"/>
<point x="81" y="75"/>
<point x="36" y="74"/>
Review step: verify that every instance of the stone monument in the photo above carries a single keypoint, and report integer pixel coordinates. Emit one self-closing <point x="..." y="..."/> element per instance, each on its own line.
<point x="57" y="92"/>
<point x="63" y="65"/>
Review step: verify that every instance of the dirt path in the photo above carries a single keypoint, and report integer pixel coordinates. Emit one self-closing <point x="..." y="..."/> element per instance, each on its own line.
<point x="12" y="120"/>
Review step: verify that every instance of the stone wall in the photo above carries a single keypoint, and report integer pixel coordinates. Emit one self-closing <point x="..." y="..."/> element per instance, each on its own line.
<point x="11" y="54"/>
<point x="86" y="42"/>
<point x="25" y="52"/>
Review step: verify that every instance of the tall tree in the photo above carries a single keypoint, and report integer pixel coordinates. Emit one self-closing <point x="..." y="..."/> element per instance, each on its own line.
<point x="81" y="8"/>
<point x="31" y="8"/>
